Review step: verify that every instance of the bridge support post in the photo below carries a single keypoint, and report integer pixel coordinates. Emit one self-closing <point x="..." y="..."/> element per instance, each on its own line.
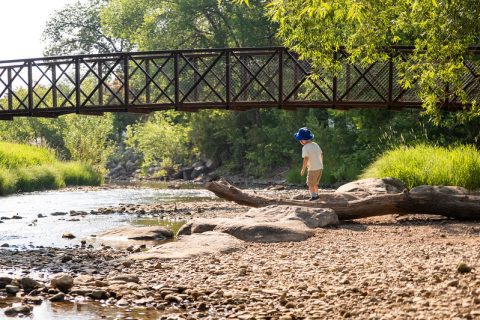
<point x="227" y="76"/>
<point x="77" y="86"/>
<point x="126" y="83"/>
<point x="30" y="87"/>
<point x="176" y="80"/>
<point x="280" y="78"/>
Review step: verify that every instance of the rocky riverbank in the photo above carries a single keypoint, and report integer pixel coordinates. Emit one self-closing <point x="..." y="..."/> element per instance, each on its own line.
<point x="412" y="267"/>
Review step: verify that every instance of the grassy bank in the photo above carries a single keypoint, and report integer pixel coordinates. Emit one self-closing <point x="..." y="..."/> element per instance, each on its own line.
<point x="422" y="164"/>
<point x="28" y="168"/>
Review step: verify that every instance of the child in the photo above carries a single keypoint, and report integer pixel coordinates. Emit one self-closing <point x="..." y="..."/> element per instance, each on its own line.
<point x="312" y="159"/>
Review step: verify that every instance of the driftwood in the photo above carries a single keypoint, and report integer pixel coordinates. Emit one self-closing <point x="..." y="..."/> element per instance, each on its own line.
<point x="432" y="201"/>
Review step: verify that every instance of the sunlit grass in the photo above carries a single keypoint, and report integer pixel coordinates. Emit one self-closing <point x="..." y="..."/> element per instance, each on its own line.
<point x="26" y="168"/>
<point x="13" y="155"/>
<point x="422" y="164"/>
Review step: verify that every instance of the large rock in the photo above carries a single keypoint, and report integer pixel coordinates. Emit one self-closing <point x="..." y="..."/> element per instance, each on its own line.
<point x="451" y="190"/>
<point x="268" y="224"/>
<point x="137" y="233"/>
<point x="373" y="186"/>
<point x="192" y="246"/>
<point x="62" y="282"/>
<point x="28" y="284"/>
<point x="4" y="281"/>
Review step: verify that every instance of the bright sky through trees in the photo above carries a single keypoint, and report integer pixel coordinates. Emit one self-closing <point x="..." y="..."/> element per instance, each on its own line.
<point x="21" y="25"/>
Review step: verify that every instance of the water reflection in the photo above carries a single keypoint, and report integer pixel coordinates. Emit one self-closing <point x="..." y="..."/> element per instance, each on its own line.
<point x="78" y="310"/>
<point x="47" y="230"/>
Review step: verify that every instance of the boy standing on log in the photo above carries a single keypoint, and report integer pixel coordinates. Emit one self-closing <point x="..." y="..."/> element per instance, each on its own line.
<point x="312" y="159"/>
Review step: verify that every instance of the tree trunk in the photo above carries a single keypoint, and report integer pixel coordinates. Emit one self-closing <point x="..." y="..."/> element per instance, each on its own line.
<point x="462" y="207"/>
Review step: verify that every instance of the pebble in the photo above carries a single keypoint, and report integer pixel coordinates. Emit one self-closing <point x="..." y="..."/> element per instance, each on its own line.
<point x="376" y="268"/>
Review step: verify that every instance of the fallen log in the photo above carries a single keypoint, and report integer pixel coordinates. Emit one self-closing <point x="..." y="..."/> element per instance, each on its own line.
<point x="427" y="200"/>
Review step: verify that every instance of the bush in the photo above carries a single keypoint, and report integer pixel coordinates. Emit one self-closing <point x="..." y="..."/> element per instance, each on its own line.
<point x="422" y="164"/>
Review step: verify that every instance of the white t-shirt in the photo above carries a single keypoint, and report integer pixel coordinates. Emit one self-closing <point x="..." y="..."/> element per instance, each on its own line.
<point x="314" y="153"/>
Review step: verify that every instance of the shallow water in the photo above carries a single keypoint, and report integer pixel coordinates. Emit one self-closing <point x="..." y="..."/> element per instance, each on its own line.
<point x="79" y="310"/>
<point x="48" y="231"/>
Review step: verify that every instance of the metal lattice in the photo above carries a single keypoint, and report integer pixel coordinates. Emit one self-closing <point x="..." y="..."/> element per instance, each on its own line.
<point x="237" y="79"/>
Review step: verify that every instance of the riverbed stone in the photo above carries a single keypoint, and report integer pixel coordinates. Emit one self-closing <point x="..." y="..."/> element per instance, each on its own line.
<point x="13" y="311"/>
<point x="451" y="190"/>
<point x="195" y="245"/>
<point x="62" y="282"/>
<point x="126" y="278"/>
<point x="5" y="281"/>
<point x="268" y="224"/>
<point x="68" y="235"/>
<point x="58" y="297"/>
<point x="136" y="233"/>
<point x="28" y="284"/>
<point x="373" y="186"/>
<point x="12" y="290"/>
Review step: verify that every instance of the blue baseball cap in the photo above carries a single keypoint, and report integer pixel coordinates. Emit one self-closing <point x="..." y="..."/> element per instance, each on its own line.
<point x="303" y="134"/>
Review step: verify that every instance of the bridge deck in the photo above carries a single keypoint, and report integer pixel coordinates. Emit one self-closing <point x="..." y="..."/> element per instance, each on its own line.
<point x="190" y="80"/>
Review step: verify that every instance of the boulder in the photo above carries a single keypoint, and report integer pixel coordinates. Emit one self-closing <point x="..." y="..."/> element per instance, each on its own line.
<point x="12" y="289"/>
<point x="373" y="186"/>
<point x="13" y="311"/>
<point x="197" y="171"/>
<point x="186" y="173"/>
<point x="4" y="281"/>
<point x="58" y="297"/>
<point x="448" y="190"/>
<point x="28" y="284"/>
<point x="199" y="244"/>
<point x="62" y="282"/>
<point x="267" y="224"/>
<point x="137" y="233"/>
<point x="211" y="164"/>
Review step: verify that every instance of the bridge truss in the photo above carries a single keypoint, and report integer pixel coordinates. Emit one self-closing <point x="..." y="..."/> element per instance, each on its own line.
<point x="190" y="80"/>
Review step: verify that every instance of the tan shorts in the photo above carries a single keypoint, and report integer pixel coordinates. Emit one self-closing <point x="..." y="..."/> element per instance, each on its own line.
<point x="313" y="177"/>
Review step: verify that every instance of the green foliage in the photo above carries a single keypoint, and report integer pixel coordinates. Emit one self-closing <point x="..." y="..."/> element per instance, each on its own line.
<point x="87" y="138"/>
<point x="154" y="25"/>
<point x="163" y="140"/>
<point x="76" y="29"/>
<point x="423" y="164"/>
<point x="440" y="31"/>
<point x="28" y="168"/>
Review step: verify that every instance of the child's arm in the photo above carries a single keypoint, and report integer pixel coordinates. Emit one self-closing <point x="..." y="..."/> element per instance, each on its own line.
<point x="304" y="165"/>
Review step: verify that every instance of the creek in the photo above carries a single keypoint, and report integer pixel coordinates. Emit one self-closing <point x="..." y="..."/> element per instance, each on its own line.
<point x="38" y="228"/>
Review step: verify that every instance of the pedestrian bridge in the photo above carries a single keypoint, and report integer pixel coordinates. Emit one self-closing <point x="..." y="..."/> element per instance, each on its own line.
<point x="191" y="80"/>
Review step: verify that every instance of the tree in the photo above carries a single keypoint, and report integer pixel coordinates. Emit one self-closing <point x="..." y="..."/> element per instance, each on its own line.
<point x="186" y="24"/>
<point x="76" y="29"/>
<point x="440" y="32"/>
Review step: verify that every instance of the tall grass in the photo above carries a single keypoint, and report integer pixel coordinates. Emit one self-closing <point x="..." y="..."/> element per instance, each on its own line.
<point x="26" y="168"/>
<point x="13" y="155"/>
<point x="422" y="164"/>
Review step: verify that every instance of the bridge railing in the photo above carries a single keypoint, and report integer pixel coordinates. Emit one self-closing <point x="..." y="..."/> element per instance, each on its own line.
<point x="236" y="78"/>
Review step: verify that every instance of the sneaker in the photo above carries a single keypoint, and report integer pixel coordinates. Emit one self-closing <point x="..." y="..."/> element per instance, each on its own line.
<point x="313" y="198"/>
